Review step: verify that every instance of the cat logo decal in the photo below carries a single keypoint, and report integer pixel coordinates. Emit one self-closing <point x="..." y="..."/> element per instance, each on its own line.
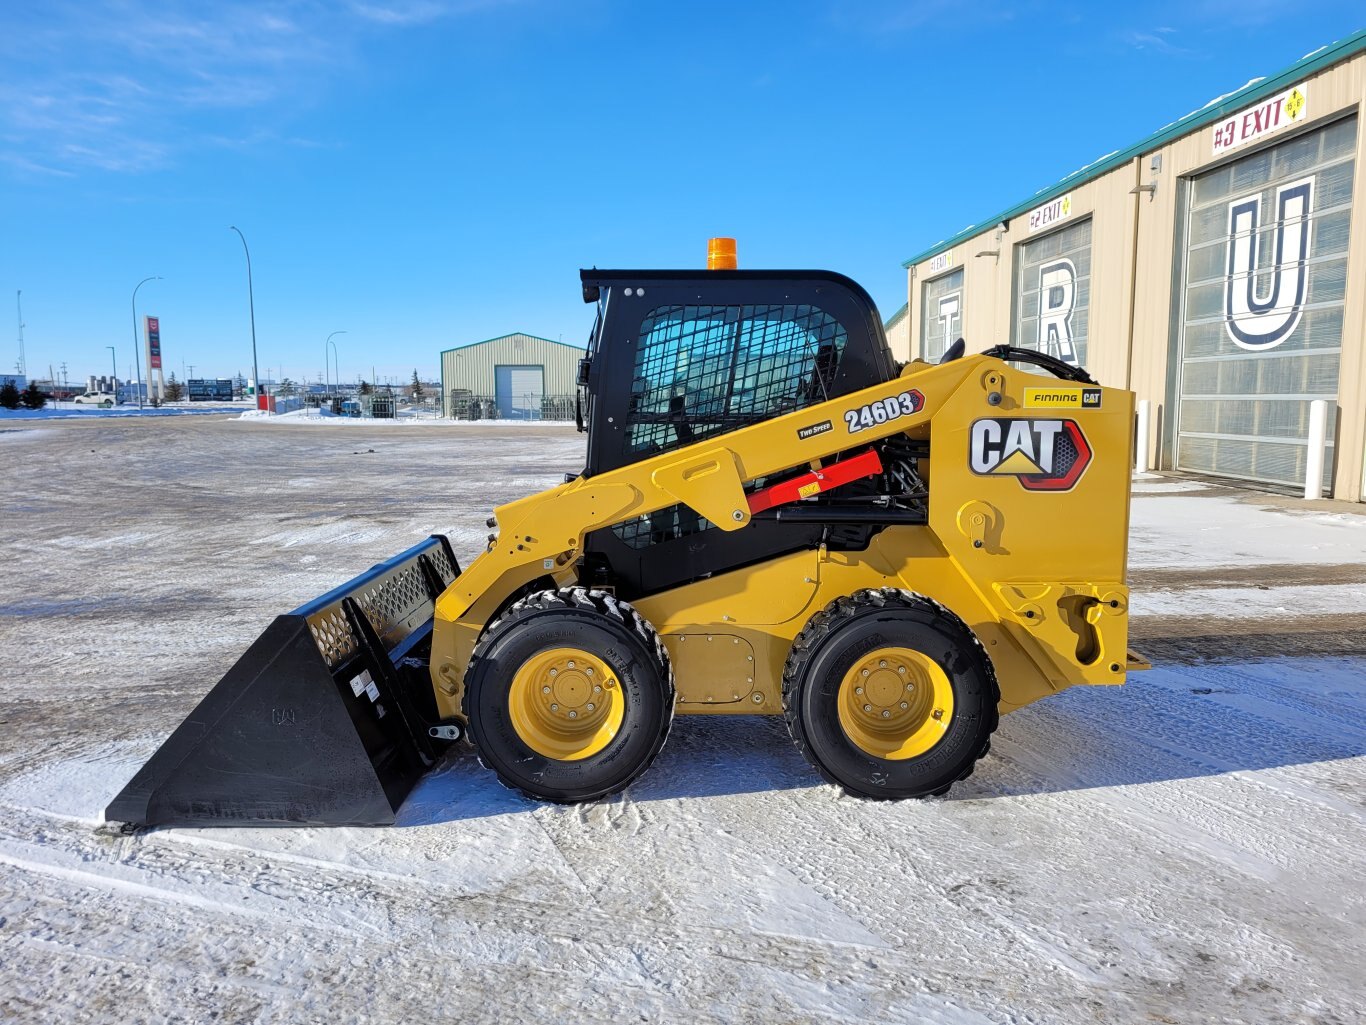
<point x="1044" y="455"/>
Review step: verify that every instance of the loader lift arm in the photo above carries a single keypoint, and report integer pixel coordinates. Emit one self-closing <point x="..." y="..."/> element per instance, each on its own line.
<point x="708" y="477"/>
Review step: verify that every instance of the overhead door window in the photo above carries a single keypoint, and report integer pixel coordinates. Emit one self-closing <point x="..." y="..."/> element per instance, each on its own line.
<point x="1263" y="286"/>
<point x="941" y="315"/>
<point x="1053" y="293"/>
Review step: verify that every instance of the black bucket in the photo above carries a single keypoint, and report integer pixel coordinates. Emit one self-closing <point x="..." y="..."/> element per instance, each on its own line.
<point x="324" y="720"/>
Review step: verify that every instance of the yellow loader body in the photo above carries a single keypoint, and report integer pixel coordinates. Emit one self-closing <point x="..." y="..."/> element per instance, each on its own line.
<point x="1037" y="572"/>
<point x="773" y="518"/>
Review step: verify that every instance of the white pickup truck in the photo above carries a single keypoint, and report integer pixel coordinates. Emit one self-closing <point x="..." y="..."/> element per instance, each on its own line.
<point x="103" y="399"/>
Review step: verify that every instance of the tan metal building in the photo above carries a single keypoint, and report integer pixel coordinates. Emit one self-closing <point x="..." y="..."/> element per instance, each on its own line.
<point x="511" y="377"/>
<point x="1217" y="268"/>
<point x="898" y="331"/>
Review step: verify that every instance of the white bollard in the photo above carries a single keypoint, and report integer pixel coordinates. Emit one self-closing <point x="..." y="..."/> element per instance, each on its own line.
<point x="1318" y="436"/>
<point x="1141" y="443"/>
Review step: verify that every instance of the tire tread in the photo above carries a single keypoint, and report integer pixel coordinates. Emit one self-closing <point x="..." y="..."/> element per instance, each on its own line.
<point x="830" y="619"/>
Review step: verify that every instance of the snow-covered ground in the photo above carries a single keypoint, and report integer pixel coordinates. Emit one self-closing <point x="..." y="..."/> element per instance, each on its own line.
<point x="1187" y="848"/>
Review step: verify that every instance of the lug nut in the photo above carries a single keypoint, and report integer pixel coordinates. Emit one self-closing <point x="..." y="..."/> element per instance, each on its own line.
<point x="554" y="672"/>
<point x="886" y="714"/>
<point x="867" y="708"/>
<point x="865" y="672"/>
<point x="554" y="707"/>
<point x="901" y="670"/>
<point x="597" y="690"/>
<point x="882" y="664"/>
<point x="571" y="663"/>
<point x="939" y="713"/>
<point x="545" y="690"/>
<point x="590" y="706"/>
<point x="910" y="686"/>
<point x="858" y="690"/>
<point x="573" y="714"/>
<point x="589" y="670"/>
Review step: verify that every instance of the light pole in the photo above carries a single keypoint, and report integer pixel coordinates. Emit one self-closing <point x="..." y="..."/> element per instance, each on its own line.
<point x="336" y="363"/>
<point x="251" y="304"/>
<point x="136" y="354"/>
<point x="19" y="307"/>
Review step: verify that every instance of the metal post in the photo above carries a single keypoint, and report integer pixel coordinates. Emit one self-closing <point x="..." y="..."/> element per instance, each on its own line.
<point x="251" y="305"/>
<point x="137" y="355"/>
<point x="1318" y="438"/>
<point x="1141" y="441"/>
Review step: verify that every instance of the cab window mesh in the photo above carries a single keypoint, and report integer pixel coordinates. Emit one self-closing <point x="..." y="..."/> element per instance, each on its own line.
<point x="702" y="370"/>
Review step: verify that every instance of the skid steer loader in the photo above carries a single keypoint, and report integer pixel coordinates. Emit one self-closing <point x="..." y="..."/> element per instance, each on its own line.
<point x="773" y="519"/>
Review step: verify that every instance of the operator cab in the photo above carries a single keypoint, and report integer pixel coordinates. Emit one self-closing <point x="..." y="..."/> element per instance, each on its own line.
<point x="677" y="357"/>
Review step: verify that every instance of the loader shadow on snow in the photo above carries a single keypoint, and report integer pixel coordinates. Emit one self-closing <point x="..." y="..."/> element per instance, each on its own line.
<point x="1177" y="722"/>
<point x="706" y="756"/>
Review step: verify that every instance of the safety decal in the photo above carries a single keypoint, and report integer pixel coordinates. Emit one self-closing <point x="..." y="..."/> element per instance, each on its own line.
<point x="1062" y="398"/>
<point x="814" y="429"/>
<point x="874" y="413"/>
<point x="1044" y="455"/>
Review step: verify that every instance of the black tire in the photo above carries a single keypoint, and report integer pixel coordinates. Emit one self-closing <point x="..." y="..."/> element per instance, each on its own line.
<point x="834" y="641"/>
<point x="600" y="625"/>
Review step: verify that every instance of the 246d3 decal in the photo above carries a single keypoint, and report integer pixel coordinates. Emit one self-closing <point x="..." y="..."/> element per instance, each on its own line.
<point x="1044" y="455"/>
<point x="875" y="413"/>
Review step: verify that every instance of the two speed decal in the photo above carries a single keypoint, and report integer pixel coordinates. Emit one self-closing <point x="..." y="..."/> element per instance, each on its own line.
<point x="874" y="413"/>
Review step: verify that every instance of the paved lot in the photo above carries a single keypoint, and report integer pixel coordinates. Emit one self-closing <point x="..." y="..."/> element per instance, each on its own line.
<point x="1186" y="848"/>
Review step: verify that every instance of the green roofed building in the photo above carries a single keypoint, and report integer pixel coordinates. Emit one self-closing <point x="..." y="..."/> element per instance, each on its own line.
<point x="1216" y="267"/>
<point x="511" y="377"/>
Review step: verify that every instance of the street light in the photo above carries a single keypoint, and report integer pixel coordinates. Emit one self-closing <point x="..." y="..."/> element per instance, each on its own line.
<point x="136" y="354"/>
<point x="251" y="302"/>
<point x="330" y="342"/>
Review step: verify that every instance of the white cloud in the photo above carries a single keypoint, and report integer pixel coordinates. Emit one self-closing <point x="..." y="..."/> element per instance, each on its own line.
<point x="127" y="86"/>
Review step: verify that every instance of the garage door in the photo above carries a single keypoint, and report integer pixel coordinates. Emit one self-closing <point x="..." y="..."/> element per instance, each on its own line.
<point x="1053" y="293"/>
<point x="941" y="315"/>
<point x="519" y="391"/>
<point x="1264" y="277"/>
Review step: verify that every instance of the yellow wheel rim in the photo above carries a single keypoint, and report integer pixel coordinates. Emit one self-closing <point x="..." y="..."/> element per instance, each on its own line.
<point x="566" y="704"/>
<point x="895" y="703"/>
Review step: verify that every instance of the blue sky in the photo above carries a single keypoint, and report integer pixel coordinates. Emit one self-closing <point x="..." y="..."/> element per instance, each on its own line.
<point x="425" y="173"/>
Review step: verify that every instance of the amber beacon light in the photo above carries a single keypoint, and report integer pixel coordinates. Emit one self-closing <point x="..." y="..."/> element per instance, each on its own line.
<point x="721" y="254"/>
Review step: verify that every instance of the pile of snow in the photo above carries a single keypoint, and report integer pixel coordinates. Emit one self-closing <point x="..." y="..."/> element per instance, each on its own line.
<point x="68" y="411"/>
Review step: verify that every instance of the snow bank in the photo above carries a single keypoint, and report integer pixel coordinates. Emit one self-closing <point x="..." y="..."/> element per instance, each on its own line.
<point x="70" y="412"/>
